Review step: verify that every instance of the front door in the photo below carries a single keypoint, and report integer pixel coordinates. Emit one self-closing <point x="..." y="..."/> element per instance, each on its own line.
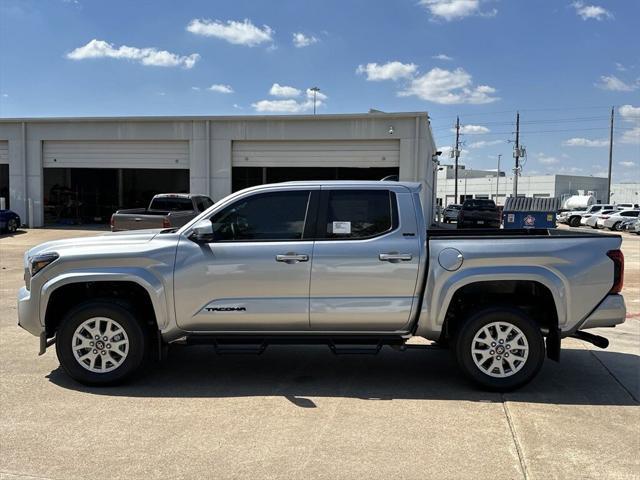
<point x="365" y="260"/>
<point x="254" y="274"/>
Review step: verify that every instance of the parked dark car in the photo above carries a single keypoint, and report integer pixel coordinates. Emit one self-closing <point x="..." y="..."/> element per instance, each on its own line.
<point x="450" y="214"/>
<point x="479" y="213"/>
<point x="9" y="221"/>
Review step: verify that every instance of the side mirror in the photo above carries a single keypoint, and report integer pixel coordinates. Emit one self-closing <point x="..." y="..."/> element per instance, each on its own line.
<point x="202" y="232"/>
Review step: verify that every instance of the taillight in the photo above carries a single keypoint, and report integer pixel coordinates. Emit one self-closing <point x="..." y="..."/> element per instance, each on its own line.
<point x="166" y="223"/>
<point x="618" y="270"/>
<point x="604" y="216"/>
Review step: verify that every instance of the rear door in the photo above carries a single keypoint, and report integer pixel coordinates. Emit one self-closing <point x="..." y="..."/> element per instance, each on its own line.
<point x="254" y="275"/>
<point x="365" y="260"/>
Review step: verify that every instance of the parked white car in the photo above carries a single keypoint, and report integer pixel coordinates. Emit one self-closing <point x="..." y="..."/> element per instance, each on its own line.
<point x="592" y="221"/>
<point x="573" y="217"/>
<point x="613" y="221"/>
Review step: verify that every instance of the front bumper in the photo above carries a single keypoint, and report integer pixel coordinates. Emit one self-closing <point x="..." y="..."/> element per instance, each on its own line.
<point x="28" y="313"/>
<point x="611" y="312"/>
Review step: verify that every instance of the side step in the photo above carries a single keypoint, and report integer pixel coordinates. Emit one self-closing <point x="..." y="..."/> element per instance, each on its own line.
<point x="252" y="344"/>
<point x="355" y="348"/>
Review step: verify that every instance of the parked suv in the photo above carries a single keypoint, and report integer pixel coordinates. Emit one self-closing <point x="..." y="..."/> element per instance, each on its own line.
<point x="479" y="213"/>
<point x="450" y="214"/>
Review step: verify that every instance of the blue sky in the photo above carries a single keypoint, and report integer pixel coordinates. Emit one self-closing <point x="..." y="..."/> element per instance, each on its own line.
<point x="561" y="63"/>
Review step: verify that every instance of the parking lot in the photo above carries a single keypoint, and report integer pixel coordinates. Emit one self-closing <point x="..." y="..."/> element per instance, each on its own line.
<point x="298" y="412"/>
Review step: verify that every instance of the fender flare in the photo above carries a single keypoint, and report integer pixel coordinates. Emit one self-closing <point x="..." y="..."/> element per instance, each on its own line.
<point x="152" y="285"/>
<point x="443" y="290"/>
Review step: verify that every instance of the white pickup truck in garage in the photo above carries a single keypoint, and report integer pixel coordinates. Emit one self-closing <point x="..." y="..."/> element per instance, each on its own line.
<point x="348" y="264"/>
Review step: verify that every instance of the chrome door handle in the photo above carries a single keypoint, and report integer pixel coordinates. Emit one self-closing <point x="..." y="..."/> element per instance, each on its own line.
<point x="395" y="257"/>
<point x="292" y="258"/>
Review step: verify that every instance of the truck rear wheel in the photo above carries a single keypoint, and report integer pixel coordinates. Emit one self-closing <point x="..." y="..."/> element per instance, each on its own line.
<point x="501" y="349"/>
<point x="100" y="343"/>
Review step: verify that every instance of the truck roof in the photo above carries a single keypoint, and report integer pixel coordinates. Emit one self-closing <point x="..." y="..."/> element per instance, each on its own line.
<point x="413" y="186"/>
<point x="178" y="195"/>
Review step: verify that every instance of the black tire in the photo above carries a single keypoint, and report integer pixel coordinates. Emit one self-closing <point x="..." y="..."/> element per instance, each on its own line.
<point x="524" y="373"/>
<point x="138" y="342"/>
<point x="12" y="225"/>
<point x="615" y="227"/>
<point x="574" y="222"/>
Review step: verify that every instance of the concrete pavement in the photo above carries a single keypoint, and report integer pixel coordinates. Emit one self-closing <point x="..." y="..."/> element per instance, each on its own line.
<point x="304" y="413"/>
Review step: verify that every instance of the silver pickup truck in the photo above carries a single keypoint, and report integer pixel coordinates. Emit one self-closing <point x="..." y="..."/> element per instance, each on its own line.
<point x="348" y="264"/>
<point x="166" y="210"/>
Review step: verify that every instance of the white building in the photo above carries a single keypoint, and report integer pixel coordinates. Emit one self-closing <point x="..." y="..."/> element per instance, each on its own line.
<point x="625" y="192"/>
<point x="69" y="170"/>
<point x="486" y="184"/>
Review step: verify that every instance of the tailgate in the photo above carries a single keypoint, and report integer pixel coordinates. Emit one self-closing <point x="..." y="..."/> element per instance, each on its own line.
<point x="127" y="221"/>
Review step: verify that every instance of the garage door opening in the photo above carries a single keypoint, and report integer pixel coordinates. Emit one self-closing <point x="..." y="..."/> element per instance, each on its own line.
<point x="74" y="196"/>
<point x="4" y="184"/>
<point x="244" y="177"/>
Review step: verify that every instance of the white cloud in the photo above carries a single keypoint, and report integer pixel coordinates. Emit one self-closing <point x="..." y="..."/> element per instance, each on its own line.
<point x="5" y="95"/>
<point x="613" y="83"/>
<point x="290" y="105"/>
<point x="220" y="88"/>
<point x="284" y="106"/>
<point x="585" y="142"/>
<point x="630" y="115"/>
<point x="285" y="91"/>
<point x="628" y="164"/>
<point x="237" y="33"/>
<point x="301" y="40"/>
<point x="472" y="129"/>
<point x="620" y="67"/>
<point x="546" y="159"/>
<point x="388" y="71"/>
<point x="485" y="143"/>
<point x="449" y="87"/>
<point x="594" y="12"/>
<point x="197" y="89"/>
<point x="442" y="56"/>
<point x="562" y="170"/>
<point x="319" y="95"/>
<point x="631" y="136"/>
<point x="146" y="56"/>
<point x="451" y="9"/>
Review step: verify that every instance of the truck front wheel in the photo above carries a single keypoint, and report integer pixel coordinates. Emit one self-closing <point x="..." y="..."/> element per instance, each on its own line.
<point x="501" y="349"/>
<point x="100" y="343"/>
<point x="574" y="222"/>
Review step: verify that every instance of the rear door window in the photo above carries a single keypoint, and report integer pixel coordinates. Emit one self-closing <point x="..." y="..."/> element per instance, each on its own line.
<point x="357" y="214"/>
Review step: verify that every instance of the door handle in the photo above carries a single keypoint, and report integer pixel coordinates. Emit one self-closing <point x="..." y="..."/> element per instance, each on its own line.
<point x="137" y="219"/>
<point x="292" y="258"/>
<point x="395" y="257"/>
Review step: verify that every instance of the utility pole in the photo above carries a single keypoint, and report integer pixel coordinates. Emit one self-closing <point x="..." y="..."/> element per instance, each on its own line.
<point x="498" y="178"/>
<point x="315" y="91"/>
<point x="516" y="153"/>
<point x="456" y="152"/>
<point x="610" y="157"/>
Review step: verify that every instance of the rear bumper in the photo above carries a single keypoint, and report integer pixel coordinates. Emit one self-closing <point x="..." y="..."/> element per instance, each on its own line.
<point x="611" y="312"/>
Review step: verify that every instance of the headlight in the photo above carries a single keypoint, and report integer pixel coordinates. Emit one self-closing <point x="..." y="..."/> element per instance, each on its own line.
<point x="40" y="261"/>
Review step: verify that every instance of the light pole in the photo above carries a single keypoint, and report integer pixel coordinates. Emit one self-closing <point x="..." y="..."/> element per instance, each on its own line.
<point x="498" y="179"/>
<point x="315" y="91"/>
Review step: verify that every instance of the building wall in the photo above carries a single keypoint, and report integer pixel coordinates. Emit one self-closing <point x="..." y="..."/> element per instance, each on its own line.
<point x="530" y="186"/>
<point x="210" y="145"/>
<point x="625" y="192"/>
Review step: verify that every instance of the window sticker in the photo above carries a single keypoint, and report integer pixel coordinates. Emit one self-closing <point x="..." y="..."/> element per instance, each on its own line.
<point x="343" y="228"/>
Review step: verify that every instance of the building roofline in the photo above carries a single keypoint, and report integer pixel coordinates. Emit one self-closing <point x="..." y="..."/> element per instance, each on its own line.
<point x="242" y="118"/>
